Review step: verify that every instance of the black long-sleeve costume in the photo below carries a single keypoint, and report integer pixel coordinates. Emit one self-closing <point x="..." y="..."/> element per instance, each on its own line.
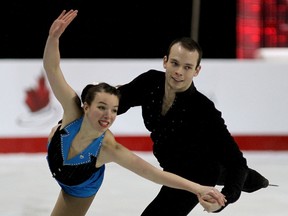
<point x="191" y="139"/>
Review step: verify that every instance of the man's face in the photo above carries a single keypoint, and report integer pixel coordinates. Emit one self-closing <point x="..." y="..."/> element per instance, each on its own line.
<point x="180" y="68"/>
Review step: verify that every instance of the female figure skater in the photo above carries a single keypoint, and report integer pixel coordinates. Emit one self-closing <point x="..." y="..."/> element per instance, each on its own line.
<point x="82" y="143"/>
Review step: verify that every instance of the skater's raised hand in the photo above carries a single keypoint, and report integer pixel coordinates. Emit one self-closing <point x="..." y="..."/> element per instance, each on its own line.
<point x="61" y="23"/>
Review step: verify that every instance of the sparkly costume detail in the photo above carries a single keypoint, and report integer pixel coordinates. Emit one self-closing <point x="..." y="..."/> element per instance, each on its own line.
<point x="77" y="176"/>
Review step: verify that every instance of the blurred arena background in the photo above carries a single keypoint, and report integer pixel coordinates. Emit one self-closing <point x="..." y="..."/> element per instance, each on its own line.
<point x="244" y="71"/>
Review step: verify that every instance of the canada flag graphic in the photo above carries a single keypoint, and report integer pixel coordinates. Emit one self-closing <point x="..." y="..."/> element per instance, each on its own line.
<point x="38" y="98"/>
<point x="40" y="110"/>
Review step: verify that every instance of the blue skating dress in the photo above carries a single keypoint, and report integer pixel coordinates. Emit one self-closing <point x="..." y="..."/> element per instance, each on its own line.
<point x="77" y="176"/>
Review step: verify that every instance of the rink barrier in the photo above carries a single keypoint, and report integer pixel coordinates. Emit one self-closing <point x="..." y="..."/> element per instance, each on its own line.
<point x="144" y="143"/>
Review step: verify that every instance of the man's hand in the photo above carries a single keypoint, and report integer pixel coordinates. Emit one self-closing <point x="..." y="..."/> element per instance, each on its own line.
<point x="210" y="198"/>
<point x="208" y="203"/>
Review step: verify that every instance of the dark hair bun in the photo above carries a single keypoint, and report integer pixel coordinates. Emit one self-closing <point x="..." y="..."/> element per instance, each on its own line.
<point x="85" y="91"/>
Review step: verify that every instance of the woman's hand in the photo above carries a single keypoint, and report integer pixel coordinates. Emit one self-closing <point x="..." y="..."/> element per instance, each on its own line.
<point x="61" y="23"/>
<point x="208" y="203"/>
<point x="210" y="198"/>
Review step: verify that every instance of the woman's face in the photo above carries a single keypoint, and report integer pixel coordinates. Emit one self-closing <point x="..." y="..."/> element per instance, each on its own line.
<point x="102" y="111"/>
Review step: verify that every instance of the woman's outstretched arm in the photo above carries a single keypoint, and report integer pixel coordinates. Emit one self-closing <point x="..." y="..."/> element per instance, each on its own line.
<point x="51" y="62"/>
<point x="112" y="151"/>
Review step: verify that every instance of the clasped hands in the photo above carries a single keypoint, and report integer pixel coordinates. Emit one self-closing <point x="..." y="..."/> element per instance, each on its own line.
<point x="211" y="200"/>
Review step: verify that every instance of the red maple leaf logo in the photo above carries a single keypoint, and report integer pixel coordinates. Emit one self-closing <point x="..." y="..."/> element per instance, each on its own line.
<point x="38" y="98"/>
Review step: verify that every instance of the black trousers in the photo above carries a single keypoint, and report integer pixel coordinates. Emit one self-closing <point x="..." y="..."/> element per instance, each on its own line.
<point x="171" y="201"/>
<point x="175" y="202"/>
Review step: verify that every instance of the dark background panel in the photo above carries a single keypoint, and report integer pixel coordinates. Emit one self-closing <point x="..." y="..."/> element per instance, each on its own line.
<point x="217" y="29"/>
<point x="116" y="29"/>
